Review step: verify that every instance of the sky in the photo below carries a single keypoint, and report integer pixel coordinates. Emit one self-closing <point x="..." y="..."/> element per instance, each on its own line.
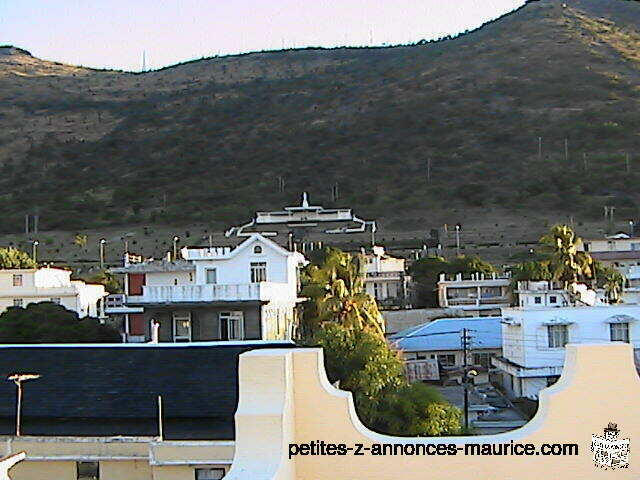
<point x="115" y="33"/>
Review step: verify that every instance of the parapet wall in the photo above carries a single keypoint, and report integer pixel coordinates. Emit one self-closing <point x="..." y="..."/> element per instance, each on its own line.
<point x="285" y="399"/>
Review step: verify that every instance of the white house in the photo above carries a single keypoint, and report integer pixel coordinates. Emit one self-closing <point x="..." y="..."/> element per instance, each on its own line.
<point x="20" y="287"/>
<point x="218" y="293"/>
<point x="478" y="294"/>
<point x="385" y="278"/>
<point x="620" y="251"/>
<point x="535" y="333"/>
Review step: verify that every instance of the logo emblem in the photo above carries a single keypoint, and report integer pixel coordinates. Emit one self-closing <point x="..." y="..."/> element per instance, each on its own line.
<point x="609" y="452"/>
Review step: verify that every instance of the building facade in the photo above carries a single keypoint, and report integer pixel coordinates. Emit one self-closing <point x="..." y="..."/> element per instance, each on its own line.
<point x="534" y="338"/>
<point x="386" y="278"/>
<point x="621" y="251"/>
<point x="478" y="295"/>
<point x="442" y="343"/>
<point x="218" y="293"/>
<point x="20" y="287"/>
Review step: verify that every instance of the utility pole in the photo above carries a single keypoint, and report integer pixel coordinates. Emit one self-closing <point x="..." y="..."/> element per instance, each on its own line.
<point x="18" y="379"/>
<point x="35" y="251"/>
<point x="628" y="165"/>
<point x="175" y="248"/>
<point x="26" y="224"/>
<point x="465" y="346"/>
<point x="584" y="159"/>
<point x="160" y="419"/>
<point x="539" y="148"/>
<point x="102" y="242"/>
<point x="428" y="170"/>
<point x="566" y="149"/>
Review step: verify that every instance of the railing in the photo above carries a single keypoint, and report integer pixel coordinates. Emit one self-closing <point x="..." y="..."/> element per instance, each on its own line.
<point x="211" y="293"/>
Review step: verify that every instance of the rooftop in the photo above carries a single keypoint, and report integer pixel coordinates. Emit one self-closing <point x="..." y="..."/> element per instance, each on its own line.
<point x="445" y="334"/>
<point x="111" y="390"/>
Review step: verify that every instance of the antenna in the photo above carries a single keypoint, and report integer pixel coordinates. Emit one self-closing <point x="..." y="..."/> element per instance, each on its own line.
<point x="144" y="61"/>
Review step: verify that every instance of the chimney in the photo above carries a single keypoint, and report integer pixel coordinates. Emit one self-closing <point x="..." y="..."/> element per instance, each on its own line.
<point x="155" y="331"/>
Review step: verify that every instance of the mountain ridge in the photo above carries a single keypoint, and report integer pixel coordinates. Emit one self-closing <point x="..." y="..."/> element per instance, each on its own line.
<point x="447" y="125"/>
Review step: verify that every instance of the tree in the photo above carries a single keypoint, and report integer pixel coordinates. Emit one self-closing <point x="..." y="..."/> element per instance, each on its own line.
<point x="611" y="280"/>
<point x="566" y="263"/>
<point x="334" y="286"/>
<point x="426" y="274"/>
<point x="108" y="279"/>
<point x="47" y="322"/>
<point x="532" y="270"/>
<point x="13" y="258"/>
<point x="80" y="240"/>
<point x="363" y="363"/>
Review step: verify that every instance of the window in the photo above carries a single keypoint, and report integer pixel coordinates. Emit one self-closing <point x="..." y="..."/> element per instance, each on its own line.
<point x="212" y="275"/>
<point x="182" y="327"/>
<point x="257" y="249"/>
<point x="55" y="300"/>
<point x="553" y="299"/>
<point x="447" y="360"/>
<point x="17" y="280"/>
<point x="231" y="325"/>
<point x="87" y="470"/>
<point x="537" y="300"/>
<point x="558" y="336"/>
<point x="18" y="302"/>
<point x="619" y="332"/>
<point x="209" y="473"/>
<point x="258" y="272"/>
<point x="482" y="359"/>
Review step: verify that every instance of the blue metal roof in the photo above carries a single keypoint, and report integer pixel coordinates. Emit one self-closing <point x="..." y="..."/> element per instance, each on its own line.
<point x="445" y="334"/>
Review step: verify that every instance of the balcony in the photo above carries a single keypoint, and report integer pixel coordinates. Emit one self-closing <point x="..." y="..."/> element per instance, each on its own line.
<point x="264" y="291"/>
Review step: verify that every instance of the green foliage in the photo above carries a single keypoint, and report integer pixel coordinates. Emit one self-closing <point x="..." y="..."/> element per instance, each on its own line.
<point x="108" y="279"/>
<point x="567" y="264"/>
<point x="535" y="270"/>
<point x="611" y="280"/>
<point x="334" y="285"/>
<point x="46" y="322"/>
<point x="13" y="258"/>
<point x="363" y="363"/>
<point x="426" y="273"/>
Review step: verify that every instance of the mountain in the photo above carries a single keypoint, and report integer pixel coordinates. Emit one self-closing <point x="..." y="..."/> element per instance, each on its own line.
<point x="536" y="111"/>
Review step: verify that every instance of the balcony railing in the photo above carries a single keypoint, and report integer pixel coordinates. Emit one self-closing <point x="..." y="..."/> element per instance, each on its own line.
<point x="210" y="293"/>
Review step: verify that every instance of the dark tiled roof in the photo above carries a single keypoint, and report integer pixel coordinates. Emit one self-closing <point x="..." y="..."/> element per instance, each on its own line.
<point x="623" y="255"/>
<point x="112" y="390"/>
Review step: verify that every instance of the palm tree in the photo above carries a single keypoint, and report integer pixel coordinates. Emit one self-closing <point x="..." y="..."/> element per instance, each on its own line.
<point x="335" y="291"/>
<point x="566" y="263"/>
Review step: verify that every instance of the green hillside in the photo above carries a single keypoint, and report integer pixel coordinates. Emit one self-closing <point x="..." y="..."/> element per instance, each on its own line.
<point x="438" y="126"/>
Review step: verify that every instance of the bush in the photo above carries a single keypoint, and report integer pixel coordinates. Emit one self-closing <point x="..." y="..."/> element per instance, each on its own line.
<point x="47" y="322"/>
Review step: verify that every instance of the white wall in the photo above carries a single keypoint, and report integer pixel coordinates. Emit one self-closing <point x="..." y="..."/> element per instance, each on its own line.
<point x="158" y="279"/>
<point x="527" y="344"/>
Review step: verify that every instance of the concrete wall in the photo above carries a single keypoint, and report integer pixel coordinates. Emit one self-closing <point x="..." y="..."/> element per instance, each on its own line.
<point x="285" y="397"/>
<point x="120" y="458"/>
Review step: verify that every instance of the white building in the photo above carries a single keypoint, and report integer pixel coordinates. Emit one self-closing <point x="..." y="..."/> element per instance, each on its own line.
<point x="385" y="278"/>
<point x="20" y="287"/>
<point x="535" y="333"/>
<point x="620" y="251"/>
<point x="218" y="293"/>
<point x="477" y="295"/>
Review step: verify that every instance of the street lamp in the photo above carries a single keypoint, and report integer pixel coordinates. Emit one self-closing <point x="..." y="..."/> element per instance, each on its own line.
<point x="18" y="378"/>
<point x="175" y="247"/>
<point x="102" y="242"/>
<point x="631" y="225"/>
<point x="457" y="240"/>
<point x="35" y="250"/>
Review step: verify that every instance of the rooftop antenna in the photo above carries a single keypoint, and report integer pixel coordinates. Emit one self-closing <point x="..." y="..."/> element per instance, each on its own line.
<point x="144" y="61"/>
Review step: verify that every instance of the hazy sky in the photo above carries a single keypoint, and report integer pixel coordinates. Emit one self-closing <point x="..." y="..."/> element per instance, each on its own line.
<point x="114" y="33"/>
